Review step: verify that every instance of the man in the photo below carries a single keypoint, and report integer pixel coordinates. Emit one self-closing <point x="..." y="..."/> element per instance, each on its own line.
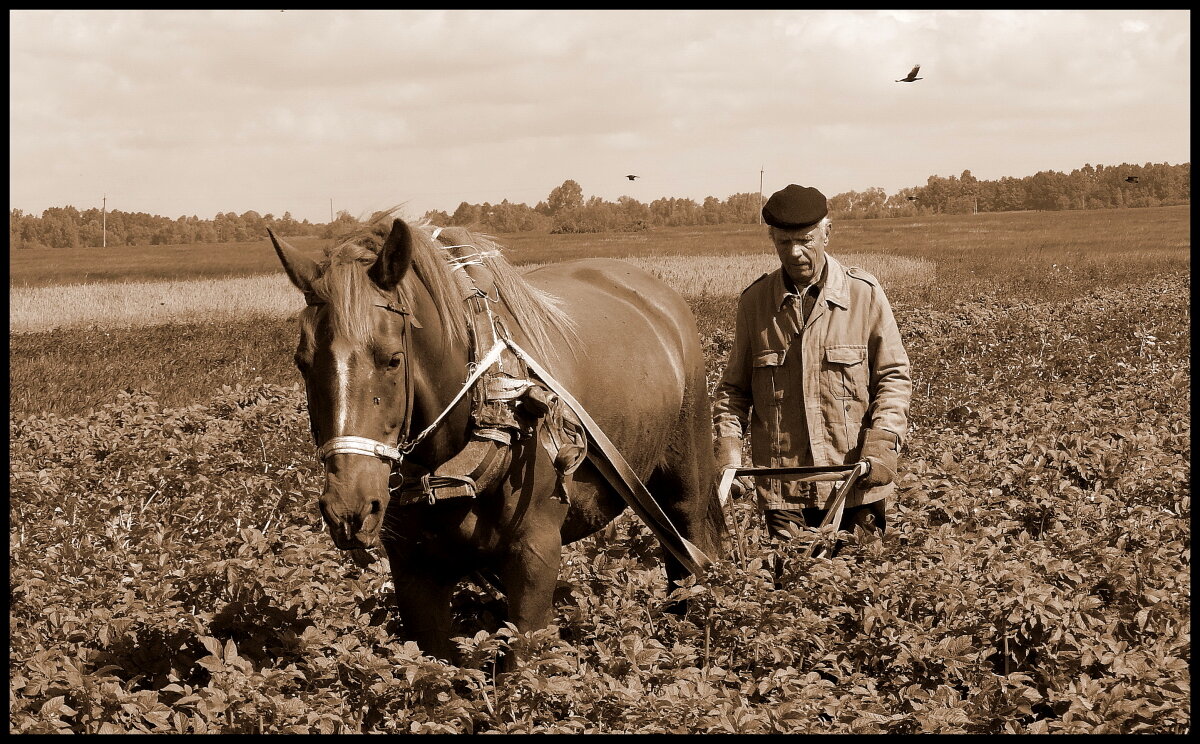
<point x="818" y="372"/>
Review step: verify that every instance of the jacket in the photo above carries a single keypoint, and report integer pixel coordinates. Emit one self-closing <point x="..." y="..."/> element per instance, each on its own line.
<point x="810" y="395"/>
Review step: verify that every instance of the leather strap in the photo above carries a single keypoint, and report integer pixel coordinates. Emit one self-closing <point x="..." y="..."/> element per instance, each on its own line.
<point x="614" y="468"/>
<point x="359" y="446"/>
<point x="481" y="460"/>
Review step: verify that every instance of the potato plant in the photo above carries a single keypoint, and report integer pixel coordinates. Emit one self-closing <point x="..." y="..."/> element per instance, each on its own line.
<point x="169" y="572"/>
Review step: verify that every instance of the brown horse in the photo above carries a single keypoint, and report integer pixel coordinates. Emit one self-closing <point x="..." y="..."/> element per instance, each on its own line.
<point x="390" y="351"/>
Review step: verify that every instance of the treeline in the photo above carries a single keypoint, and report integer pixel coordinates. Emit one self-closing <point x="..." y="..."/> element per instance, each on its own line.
<point x="566" y="210"/>
<point x="1089" y="187"/>
<point x="68" y="227"/>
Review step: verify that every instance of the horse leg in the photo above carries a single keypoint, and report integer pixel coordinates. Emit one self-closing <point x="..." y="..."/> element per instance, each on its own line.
<point x="423" y="602"/>
<point x="684" y="489"/>
<point x="530" y="575"/>
<point x="660" y="484"/>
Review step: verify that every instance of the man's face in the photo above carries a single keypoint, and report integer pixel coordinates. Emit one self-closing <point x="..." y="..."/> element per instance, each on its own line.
<point x="802" y="252"/>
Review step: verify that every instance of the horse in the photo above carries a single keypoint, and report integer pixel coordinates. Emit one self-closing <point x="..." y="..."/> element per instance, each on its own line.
<point x="462" y="466"/>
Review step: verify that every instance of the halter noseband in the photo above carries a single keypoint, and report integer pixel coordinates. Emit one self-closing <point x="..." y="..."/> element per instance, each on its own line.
<point x="359" y="446"/>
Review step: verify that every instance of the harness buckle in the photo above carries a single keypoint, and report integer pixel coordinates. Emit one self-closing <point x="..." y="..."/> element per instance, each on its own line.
<point x="427" y="487"/>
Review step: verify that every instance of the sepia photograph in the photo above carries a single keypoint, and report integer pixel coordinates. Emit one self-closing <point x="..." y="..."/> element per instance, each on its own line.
<point x="599" y="371"/>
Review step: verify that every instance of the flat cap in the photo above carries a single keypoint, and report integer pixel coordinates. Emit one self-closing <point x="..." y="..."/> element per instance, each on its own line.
<point x="795" y="207"/>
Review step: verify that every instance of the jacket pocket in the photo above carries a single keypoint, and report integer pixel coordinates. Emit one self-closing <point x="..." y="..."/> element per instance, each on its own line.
<point x="844" y="373"/>
<point x="765" y="381"/>
<point x="767" y="387"/>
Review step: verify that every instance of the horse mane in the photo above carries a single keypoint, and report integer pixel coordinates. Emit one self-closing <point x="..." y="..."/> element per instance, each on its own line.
<point x="345" y="285"/>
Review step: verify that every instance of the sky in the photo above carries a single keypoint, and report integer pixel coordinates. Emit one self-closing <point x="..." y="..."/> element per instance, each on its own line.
<point x="198" y="112"/>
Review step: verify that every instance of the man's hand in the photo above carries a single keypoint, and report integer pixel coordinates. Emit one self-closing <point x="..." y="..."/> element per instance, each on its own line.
<point x="879" y="449"/>
<point x="729" y="455"/>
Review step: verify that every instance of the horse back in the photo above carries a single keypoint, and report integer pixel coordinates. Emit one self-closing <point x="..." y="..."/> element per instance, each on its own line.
<point x="636" y="361"/>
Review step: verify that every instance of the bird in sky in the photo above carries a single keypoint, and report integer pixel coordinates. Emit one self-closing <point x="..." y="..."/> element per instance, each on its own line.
<point x="631" y="177"/>
<point x="912" y="75"/>
<point x="1131" y="179"/>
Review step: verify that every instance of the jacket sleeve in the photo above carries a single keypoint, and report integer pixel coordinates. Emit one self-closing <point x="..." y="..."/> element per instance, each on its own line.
<point x="732" y="400"/>
<point x="891" y="380"/>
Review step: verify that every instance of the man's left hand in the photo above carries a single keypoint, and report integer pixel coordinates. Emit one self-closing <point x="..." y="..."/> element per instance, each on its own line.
<point x="879" y="449"/>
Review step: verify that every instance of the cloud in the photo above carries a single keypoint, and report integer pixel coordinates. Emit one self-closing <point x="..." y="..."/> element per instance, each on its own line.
<point x="454" y="102"/>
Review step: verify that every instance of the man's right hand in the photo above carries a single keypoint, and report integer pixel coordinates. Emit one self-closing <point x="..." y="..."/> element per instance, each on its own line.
<point x="729" y="455"/>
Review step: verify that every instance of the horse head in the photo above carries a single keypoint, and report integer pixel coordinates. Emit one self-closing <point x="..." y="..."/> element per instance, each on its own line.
<point x="358" y="342"/>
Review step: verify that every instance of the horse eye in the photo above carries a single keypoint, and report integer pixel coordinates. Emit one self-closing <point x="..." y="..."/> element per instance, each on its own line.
<point x="396" y="360"/>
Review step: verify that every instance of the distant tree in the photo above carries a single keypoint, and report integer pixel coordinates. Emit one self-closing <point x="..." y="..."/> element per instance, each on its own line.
<point x="632" y="214"/>
<point x="969" y="191"/>
<point x="565" y="197"/>
<point x="741" y="209"/>
<point x="672" y="212"/>
<point x="466" y="215"/>
<point x="1090" y="187"/>
<point x="1048" y="190"/>
<point x="437" y="217"/>
<point x="342" y="224"/>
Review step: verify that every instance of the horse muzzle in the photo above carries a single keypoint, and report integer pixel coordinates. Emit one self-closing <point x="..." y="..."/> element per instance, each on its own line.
<point x="355" y="500"/>
<point x="351" y="527"/>
<point x="357" y="472"/>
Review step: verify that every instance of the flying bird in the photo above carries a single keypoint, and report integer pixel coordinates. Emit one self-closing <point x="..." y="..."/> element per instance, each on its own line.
<point x="631" y="177"/>
<point x="912" y="75"/>
<point x="1131" y="179"/>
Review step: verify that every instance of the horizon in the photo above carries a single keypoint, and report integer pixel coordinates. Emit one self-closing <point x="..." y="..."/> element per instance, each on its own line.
<point x="275" y="112"/>
<point x="586" y="195"/>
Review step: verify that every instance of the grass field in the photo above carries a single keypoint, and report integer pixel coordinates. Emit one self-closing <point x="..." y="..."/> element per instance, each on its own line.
<point x="113" y="305"/>
<point x="170" y="573"/>
<point x="149" y="263"/>
<point x="1023" y="257"/>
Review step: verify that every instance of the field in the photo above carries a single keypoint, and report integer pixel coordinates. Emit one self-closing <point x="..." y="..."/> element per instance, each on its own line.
<point x="169" y="571"/>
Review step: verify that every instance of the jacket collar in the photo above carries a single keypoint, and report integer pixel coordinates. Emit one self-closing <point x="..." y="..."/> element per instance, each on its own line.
<point x="833" y="285"/>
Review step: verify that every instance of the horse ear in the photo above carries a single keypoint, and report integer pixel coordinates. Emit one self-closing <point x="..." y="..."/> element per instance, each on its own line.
<point x="301" y="269"/>
<point x="395" y="258"/>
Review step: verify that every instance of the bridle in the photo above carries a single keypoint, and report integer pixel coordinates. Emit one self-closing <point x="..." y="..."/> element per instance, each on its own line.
<point x="356" y="445"/>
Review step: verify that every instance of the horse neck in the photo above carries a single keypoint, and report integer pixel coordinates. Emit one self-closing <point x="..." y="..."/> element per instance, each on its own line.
<point x="439" y="368"/>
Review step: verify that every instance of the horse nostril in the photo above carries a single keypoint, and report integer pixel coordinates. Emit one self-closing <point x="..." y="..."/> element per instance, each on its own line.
<point x="376" y="506"/>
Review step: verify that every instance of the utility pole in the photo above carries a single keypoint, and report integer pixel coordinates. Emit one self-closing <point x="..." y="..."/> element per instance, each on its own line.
<point x="760" y="202"/>
<point x="331" y="209"/>
<point x="104" y="222"/>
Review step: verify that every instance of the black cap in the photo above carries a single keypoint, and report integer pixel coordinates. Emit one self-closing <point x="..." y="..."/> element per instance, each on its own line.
<point x="795" y="207"/>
